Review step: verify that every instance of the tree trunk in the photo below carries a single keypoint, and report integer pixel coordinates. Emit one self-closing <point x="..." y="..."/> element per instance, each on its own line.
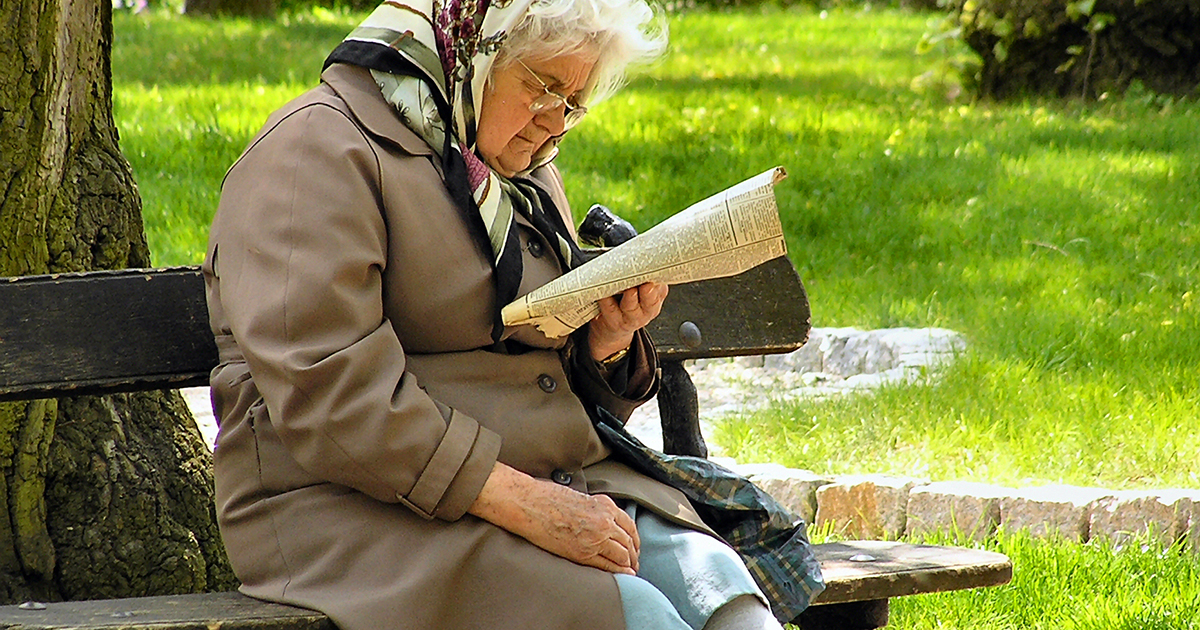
<point x="99" y="497"/>
<point x="247" y="8"/>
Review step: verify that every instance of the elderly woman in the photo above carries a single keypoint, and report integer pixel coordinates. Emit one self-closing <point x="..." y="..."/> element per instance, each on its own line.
<point x="389" y="453"/>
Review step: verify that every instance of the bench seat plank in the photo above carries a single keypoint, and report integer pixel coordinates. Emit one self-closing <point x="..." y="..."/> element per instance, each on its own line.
<point x="865" y="570"/>
<point x="895" y="569"/>
<point x="206" y="611"/>
<point x="137" y="329"/>
<point x="761" y="311"/>
<point x="103" y="332"/>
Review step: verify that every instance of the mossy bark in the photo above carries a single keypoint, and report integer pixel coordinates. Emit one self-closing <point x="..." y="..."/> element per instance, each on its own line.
<point x="99" y="497"/>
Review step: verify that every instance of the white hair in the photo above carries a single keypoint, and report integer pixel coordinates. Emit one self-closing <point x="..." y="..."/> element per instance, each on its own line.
<point x="624" y="33"/>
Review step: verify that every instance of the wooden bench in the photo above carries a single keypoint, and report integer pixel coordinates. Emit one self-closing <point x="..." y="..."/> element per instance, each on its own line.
<point x="136" y="330"/>
<point x="897" y="569"/>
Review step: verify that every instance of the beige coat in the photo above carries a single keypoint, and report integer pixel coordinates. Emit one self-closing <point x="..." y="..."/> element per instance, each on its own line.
<point x="359" y="416"/>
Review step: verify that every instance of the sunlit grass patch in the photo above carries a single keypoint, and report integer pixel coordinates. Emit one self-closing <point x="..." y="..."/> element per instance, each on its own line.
<point x="983" y="420"/>
<point x="1060" y="238"/>
<point x="1056" y="585"/>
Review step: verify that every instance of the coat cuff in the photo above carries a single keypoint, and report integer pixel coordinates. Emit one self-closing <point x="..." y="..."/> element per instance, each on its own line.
<point x="632" y="383"/>
<point x="455" y="475"/>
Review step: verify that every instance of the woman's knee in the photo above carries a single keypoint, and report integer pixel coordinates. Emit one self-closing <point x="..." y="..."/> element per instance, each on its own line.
<point x="645" y="607"/>
<point x="745" y="612"/>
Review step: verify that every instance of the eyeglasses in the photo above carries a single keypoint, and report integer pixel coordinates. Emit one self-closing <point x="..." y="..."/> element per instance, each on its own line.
<point x="572" y="114"/>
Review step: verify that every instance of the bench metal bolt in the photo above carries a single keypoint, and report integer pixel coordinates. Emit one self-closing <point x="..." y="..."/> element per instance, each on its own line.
<point x="689" y="334"/>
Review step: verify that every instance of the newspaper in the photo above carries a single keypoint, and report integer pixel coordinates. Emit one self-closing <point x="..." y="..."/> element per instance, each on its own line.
<point x="724" y="235"/>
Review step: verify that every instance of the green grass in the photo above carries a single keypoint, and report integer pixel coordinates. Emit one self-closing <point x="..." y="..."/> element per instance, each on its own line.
<point x="190" y="93"/>
<point x="1059" y="586"/>
<point x="990" y="419"/>
<point x="1061" y="238"/>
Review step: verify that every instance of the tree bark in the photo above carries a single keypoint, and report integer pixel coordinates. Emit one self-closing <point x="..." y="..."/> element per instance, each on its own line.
<point x="99" y="497"/>
<point x="246" y="8"/>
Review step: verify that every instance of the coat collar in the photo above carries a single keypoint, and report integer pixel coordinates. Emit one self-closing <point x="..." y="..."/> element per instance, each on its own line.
<point x="358" y="90"/>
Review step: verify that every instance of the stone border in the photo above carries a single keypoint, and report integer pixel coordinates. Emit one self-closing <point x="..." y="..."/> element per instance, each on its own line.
<point x="888" y="507"/>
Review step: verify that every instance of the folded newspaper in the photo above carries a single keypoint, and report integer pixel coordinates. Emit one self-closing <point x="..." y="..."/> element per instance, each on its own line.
<point x="724" y="235"/>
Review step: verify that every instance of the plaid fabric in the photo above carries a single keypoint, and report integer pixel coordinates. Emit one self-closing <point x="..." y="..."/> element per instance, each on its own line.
<point x="770" y="539"/>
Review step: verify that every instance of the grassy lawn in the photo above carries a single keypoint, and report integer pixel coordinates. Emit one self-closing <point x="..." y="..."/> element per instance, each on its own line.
<point x="1059" y="586"/>
<point x="1063" y="239"/>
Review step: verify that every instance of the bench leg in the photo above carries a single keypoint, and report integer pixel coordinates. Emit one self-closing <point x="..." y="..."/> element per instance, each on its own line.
<point x="866" y="615"/>
<point x="679" y="412"/>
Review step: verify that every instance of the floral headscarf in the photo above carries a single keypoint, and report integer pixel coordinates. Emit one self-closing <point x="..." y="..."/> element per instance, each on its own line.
<point x="431" y="59"/>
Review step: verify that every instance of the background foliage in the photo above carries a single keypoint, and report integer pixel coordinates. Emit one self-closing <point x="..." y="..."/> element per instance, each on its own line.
<point x="1082" y="48"/>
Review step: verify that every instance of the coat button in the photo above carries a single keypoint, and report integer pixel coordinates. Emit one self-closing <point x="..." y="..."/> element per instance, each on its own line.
<point x="535" y="248"/>
<point x="561" y="477"/>
<point x="547" y="383"/>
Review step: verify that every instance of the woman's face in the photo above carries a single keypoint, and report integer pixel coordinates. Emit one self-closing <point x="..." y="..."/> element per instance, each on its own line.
<point x="509" y="134"/>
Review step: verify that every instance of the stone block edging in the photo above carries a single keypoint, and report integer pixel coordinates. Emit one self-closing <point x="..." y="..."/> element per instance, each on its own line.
<point x="868" y="506"/>
<point x="889" y="507"/>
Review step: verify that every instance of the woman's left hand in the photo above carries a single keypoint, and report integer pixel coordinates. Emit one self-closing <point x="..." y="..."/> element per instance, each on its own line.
<point x="620" y="316"/>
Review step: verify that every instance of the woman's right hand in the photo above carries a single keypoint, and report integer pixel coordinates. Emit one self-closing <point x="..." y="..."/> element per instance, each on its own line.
<point x="587" y="529"/>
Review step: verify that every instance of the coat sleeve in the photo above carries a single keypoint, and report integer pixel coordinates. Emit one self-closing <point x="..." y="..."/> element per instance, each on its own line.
<point x="634" y="382"/>
<point x="637" y="379"/>
<point x="300" y="249"/>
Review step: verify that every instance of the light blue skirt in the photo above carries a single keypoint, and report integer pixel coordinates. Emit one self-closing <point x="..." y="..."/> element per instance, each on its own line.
<point x="684" y="576"/>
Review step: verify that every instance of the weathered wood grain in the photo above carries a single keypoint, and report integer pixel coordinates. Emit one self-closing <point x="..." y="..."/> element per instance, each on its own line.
<point x="207" y="611"/>
<point x="861" y="576"/>
<point x="134" y="330"/>
<point x="865" y="570"/>
<point x="103" y="332"/>
<point x="762" y="311"/>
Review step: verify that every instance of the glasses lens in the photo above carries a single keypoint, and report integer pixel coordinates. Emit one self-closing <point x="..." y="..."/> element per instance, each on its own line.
<point x="572" y="114"/>
<point x="544" y="102"/>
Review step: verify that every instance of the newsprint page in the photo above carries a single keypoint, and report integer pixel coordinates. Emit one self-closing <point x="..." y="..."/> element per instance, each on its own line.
<point x="724" y="235"/>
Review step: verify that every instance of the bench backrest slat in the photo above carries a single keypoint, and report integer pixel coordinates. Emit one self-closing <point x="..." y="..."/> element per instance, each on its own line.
<point x="131" y="330"/>
<point x="762" y="311"/>
<point x="103" y="332"/>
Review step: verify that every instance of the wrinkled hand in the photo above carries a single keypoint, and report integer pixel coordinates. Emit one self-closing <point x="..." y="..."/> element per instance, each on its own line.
<point x="621" y="316"/>
<point x="587" y="529"/>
